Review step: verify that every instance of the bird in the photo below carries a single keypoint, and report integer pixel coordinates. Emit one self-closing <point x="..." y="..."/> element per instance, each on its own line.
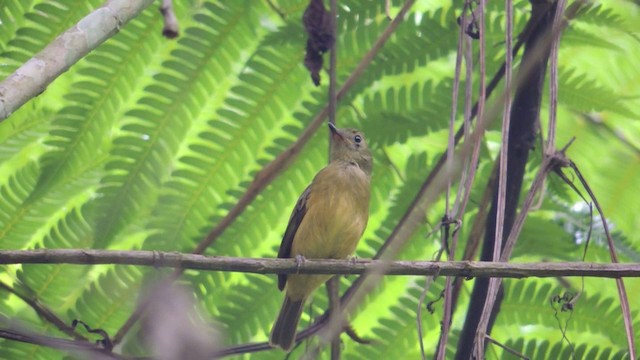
<point x="326" y="223"/>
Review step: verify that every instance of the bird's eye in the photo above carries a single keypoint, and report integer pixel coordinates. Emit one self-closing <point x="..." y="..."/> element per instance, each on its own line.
<point x="357" y="139"/>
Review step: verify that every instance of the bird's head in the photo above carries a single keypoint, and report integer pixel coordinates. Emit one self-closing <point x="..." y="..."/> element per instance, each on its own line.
<point x="350" y="145"/>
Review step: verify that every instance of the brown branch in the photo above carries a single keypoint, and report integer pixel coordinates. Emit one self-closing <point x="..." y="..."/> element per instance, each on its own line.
<point x="316" y="266"/>
<point x="451" y="214"/>
<point x="503" y="214"/>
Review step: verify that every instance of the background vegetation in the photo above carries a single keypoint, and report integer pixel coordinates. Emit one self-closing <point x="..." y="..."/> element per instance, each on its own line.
<point x="148" y="142"/>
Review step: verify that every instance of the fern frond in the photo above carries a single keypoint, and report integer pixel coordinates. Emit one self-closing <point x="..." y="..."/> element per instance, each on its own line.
<point x="544" y="238"/>
<point x="43" y="222"/>
<point x="14" y="350"/>
<point x="545" y="349"/>
<point x="396" y="336"/>
<point x="107" y="302"/>
<point x="21" y="140"/>
<point x="580" y="37"/>
<point x="415" y="109"/>
<point x="242" y="325"/>
<point x="599" y="14"/>
<point x="155" y="130"/>
<point x="64" y="227"/>
<point x="222" y="154"/>
<point x="582" y="94"/>
<point x="81" y="130"/>
<point x="45" y="21"/>
<point x="585" y="318"/>
<point x="12" y="18"/>
<point x="15" y="191"/>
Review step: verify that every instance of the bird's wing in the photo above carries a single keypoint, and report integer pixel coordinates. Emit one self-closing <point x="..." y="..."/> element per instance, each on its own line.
<point x="294" y="222"/>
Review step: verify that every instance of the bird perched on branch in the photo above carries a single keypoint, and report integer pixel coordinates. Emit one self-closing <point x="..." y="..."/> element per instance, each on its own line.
<point x="326" y="223"/>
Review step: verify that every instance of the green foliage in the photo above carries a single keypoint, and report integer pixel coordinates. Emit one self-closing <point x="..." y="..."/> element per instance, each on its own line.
<point x="545" y="313"/>
<point x="536" y="349"/>
<point x="147" y="143"/>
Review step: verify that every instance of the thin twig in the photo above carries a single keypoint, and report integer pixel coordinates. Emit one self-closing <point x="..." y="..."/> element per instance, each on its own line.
<point x="427" y="284"/>
<point x="333" y="288"/>
<point x="622" y="293"/>
<point x="387" y="9"/>
<point x="334" y="283"/>
<point x="494" y="283"/>
<point x="553" y="75"/>
<point x="464" y="187"/>
<point x="563" y="302"/>
<point x="425" y="289"/>
<point x="597" y="120"/>
<point x="526" y="67"/>
<point x="332" y="64"/>
<point x="506" y="121"/>
<point x="73" y="347"/>
<point x="275" y="8"/>
<point x="44" y="312"/>
<point x="507" y="349"/>
<point x="451" y="143"/>
<point x="492" y="291"/>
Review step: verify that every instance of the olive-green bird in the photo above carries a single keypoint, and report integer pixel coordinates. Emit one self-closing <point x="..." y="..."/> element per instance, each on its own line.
<point x="327" y="223"/>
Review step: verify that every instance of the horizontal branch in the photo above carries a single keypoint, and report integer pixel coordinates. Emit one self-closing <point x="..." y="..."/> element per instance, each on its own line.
<point x="338" y="267"/>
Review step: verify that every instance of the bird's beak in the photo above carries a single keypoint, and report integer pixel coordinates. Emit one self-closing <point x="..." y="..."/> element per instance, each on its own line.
<point x="335" y="133"/>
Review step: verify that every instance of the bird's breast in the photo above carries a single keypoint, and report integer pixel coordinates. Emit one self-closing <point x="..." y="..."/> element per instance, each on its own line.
<point x="337" y="214"/>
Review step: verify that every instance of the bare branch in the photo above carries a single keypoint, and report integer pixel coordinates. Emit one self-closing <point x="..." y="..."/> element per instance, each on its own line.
<point x="465" y="269"/>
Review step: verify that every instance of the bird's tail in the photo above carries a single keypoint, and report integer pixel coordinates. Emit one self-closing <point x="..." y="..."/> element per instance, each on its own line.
<point x="284" y="330"/>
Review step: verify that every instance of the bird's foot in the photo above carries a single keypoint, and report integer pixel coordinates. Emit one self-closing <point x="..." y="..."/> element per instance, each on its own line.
<point x="299" y="261"/>
<point x="352" y="259"/>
